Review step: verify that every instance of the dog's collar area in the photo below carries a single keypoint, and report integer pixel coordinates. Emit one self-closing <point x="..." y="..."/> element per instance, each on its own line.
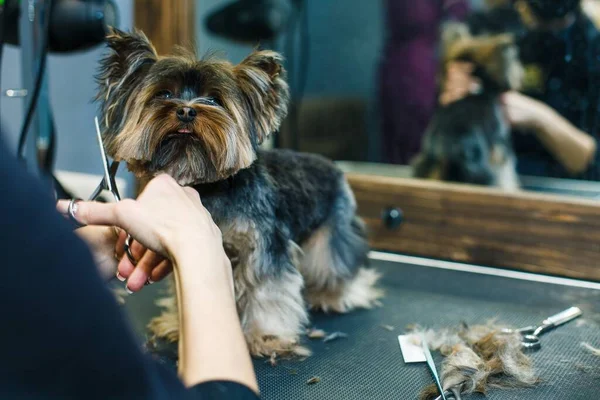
<point x="208" y="189"/>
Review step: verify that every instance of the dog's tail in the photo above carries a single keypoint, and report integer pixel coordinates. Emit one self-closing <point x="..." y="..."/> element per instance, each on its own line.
<point x="348" y="240"/>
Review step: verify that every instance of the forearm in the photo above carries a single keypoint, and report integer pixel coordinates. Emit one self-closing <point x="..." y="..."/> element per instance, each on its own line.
<point x="212" y="345"/>
<point x="573" y="148"/>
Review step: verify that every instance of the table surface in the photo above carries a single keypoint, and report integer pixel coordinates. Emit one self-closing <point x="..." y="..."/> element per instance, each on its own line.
<point x="368" y="363"/>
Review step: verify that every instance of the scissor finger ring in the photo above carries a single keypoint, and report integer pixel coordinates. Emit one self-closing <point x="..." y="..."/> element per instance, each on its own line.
<point x="127" y="248"/>
<point x="71" y="210"/>
<point x="530" y="342"/>
<point x="450" y="394"/>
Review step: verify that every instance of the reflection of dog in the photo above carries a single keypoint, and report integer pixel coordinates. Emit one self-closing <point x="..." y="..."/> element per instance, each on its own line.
<point x="288" y="220"/>
<point x="468" y="141"/>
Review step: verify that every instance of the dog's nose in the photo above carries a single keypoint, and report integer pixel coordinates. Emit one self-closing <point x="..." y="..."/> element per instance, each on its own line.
<point x="186" y="114"/>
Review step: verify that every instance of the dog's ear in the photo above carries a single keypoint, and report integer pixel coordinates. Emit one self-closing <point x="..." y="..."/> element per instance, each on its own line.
<point x="122" y="70"/>
<point x="508" y="68"/>
<point x="450" y="34"/>
<point x="262" y="80"/>
<point x="497" y="56"/>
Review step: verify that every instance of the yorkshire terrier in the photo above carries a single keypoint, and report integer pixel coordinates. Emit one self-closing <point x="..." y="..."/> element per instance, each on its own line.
<point x="469" y="141"/>
<point x="288" y="219"/>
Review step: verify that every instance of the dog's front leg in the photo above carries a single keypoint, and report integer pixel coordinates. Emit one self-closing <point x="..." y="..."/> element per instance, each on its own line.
<point x="268" y="289"/>
<point x="270" y="302"/>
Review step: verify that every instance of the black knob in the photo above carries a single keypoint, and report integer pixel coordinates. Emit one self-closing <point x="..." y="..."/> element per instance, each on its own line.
<point x="392" y="217"/>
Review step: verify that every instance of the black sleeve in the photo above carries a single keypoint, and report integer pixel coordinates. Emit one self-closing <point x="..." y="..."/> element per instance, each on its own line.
<point x="223" y="390"/>
<point x="594" y="88"/>
<point x="62" y="334"/>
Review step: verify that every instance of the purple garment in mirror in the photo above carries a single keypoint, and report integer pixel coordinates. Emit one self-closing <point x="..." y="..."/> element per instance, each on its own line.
<point x="407" y="75"/>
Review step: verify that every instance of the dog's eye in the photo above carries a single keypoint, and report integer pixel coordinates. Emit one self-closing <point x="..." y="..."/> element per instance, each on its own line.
<point x="213" y="101"/>
<point x="164" y="94"/>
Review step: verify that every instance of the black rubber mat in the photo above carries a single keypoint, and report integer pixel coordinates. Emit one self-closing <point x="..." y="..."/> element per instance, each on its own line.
<point x="368" y="363"/>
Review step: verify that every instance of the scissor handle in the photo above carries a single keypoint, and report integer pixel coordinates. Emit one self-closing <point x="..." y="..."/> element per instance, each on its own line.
<point x="557" y="320"/>
<point x="452" y="393"/>
<point x="563" y="317"/>
<point x="528" y="330"/>
<point x="531" y="342"/>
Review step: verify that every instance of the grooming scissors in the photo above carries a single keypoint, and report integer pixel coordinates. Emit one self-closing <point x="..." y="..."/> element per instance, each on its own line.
<point x="452" y="393"/>
<point x="432" y="368"/>
<point x="108" y="183"/>
<point x="530" y="335"/>
<point x="530" y="340"/>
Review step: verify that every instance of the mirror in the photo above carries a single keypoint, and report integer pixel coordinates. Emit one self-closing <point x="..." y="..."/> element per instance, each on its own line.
<point x="433" y="89"/>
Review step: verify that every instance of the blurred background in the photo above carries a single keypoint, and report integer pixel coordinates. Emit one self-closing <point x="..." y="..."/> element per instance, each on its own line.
<point x="71" y="90"/>
<point x="364" y="74"/>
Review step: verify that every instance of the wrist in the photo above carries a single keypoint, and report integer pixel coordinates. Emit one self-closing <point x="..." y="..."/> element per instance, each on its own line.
<point x="541" y="115"/>
<point x="203" y="264"/>
<point x="186" y="244"/>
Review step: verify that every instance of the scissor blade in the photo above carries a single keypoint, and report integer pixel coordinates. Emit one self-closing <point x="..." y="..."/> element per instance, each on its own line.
<point x="103" y="153"/>
<point x="431" y="365"/>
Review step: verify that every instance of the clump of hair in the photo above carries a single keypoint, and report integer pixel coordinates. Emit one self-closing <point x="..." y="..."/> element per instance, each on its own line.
<point x="478" y="358"/>
<point x="595" y="351"/>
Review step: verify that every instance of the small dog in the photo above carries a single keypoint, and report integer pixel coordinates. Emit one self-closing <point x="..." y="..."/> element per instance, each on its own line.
<point x="468" y="141"/>
<point x="288" y="219"/>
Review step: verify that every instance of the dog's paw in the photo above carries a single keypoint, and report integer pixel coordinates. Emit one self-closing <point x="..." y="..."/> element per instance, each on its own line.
<point x="266" y="346"/>
<point x="359" y="292"/>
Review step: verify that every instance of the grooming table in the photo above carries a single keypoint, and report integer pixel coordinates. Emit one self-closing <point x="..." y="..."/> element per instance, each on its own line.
<point x="368" y="363"/>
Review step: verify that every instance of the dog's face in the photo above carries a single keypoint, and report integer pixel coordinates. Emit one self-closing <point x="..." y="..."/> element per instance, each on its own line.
<point x="199" y="121"/>
<point x="496" y="59"/>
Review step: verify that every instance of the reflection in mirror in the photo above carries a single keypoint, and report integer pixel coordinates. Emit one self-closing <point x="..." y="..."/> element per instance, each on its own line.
<point x="567" y="187"/>
<point x="526" y="103"/>
<point x="468" y="138"/>
<point x="331" y="50"/>
<point x="489" y="92"/>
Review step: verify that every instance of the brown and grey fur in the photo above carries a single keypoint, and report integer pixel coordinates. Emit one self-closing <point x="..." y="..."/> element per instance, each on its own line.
<point x="288" y="219"/>
<point x="468" y="141"/>
<point x="478" y="358"/>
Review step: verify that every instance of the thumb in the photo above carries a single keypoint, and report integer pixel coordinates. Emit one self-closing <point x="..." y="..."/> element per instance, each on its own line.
<point x="95" y="213"/>
<point x="126" y="215"/>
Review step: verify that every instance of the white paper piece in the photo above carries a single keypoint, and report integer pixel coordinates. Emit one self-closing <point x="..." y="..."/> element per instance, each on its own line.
<point x="411" y="352"/>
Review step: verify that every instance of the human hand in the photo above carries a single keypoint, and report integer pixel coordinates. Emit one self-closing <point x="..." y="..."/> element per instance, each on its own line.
<point x="101" y="241"/>
<point x="523" y="111"/>
<point x="108" y="250"/>
<point x="166" y="218"/>
<point x="459" y="82"/>
<point x="150" y="266"/>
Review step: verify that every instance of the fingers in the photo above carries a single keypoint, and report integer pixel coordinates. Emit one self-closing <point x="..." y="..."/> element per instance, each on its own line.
<point x="95" y="213"/>
<point x="448" y="98"/>
<point x="137" y="275"/>
<point x="127" y="215"/>
<point x="162" y="271"/>
<point x="464" y="66"/>
<point x="514" y="98"/>
<point x="192" y="194"/>
<point x="143" y="270"/>
<point x="137" y="250"/>
<point x="459" y="82"/>
<point x="126" y="266"/>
